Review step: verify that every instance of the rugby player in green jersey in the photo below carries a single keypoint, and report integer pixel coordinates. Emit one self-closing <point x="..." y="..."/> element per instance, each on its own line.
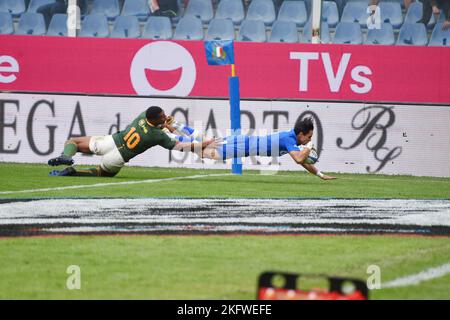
<point x="141" y="134"/>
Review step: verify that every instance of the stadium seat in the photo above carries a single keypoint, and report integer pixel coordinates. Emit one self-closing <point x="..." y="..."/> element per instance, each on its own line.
<point x="307" y="32"/>
<point x="31" y="24"/>
<point x="330" y="13"/>
<point x="384" y="36"/>
<point x="440" y="37"/>
<point x="355" y="12"/>
<point x="252" y="30"/>
<point x="391" y="12"/>
<point x="58" y="25"/>
<point x="220" y="29"/>
<point x="294" y="11"/>
<point x="13" y="7"/>
<point x="261" y="10"/>
<point x="414" y="14"/>
<point x="414" y="34"/>
<point x="202" y="9"/>
<point x="158" y="28"/>
<point x="6" y="23"/>
<point x="137" y="8"/>
<point x="95" y="25"/>
<point x="284" y="31"/>
<point x="189" y="28"/>
<point x="231" y="9"/>
<point x="126" y="27"/>
<point x="110" y="8"/>
<point x="348" y="33"/>
<point x="35" y="4"/>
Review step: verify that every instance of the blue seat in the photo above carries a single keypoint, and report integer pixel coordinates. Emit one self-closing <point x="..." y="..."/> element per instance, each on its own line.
<point x="231" y="9"/>
<point x="384" y="35"/>
<point x="294" y="11"/>
<point x="330" y="13"/>
<point x="126" y="27"/>
<point x="158" y="28"/>
<point x="413" y="34"/>
<point x="391" y="12"/>
<point x="32" y="24"/>
<point x="355" y="12"/>
<point x="414" y="14"/>
<point x="440" y="37"/>
<point x="58" y="25"/>
<point x="262" y="10"/>
<point x="6" y="23"/>
<point x="189" y="28"/>
<point x="220" y="29"/>
<point x="284" y="31"/>
<point x="13" y="7"/>
<point x="35" y="4"/>
<point x="95" y="25"/>
<point x="324" y="30"/>
<point x="348" y="33"/>
<point x="252" y="30"/>
<point x="137" y="8"/>
<point x="110" y="8"/>
<point x="202" y="9"/>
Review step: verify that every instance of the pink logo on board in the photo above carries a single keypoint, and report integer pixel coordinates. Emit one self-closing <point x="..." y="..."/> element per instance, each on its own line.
<point x="163" y="68"/>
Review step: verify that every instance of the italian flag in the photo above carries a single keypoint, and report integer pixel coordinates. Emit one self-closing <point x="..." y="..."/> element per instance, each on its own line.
<point x="218" y="51"/>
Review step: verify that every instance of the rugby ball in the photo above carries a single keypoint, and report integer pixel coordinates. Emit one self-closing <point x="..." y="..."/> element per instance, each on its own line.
<point x="313" y="157"/>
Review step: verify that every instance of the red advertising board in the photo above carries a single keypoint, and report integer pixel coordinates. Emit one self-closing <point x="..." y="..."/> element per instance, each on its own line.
<point x="266" y="70"/>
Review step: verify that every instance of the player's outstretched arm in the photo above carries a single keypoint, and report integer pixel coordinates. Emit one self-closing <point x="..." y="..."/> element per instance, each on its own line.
<point x="312" y="169"/>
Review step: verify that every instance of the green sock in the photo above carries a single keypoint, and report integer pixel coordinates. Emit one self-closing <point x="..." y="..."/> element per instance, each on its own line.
<point x="92" y="172"/>
<point x="70" y="149"/>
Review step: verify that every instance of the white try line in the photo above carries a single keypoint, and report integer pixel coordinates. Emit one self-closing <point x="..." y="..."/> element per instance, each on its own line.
<point x="108" y="184"/>
<point x="428" y="274"/>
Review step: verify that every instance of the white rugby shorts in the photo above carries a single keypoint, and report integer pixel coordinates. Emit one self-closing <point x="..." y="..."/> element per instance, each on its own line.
<point x="105" y="146"/>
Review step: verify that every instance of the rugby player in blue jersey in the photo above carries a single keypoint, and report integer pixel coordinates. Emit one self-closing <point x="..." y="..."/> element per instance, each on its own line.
<point x="296" y="142"/>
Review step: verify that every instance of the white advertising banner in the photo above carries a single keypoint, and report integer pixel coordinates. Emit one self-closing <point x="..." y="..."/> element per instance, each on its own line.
<point x="350" y="137"/>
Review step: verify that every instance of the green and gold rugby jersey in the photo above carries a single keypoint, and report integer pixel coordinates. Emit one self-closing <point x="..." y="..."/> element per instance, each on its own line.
<point x="139" y="136"/>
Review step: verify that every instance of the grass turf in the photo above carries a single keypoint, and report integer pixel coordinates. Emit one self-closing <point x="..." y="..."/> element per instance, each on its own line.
<point x="208" y="267"/>
<point x="285" y="184"/>
<point x="212" y="267"/>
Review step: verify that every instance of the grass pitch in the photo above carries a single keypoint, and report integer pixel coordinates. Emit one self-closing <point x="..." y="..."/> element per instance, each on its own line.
<point x="212" y="267"/>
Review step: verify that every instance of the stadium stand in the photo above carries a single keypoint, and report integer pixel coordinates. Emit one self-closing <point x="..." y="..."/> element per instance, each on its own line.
<point x="31" y="24"/>
<point x="348" y="33"/>
<point x="202" y="9"/>
<point x="284" y="31"/>
<point x="413" y="34"/>
<point x="220" y="29"/>
<point x="137" y="8"/>
<point x="158" y="28"/>
<point x="252" y="30"/>
<point x="58" y="25"/>
<point x="325" y="33"/>
<point x="126" y="27"/>
<point x="231" y="9"/>
<point x="94" y="25"/>
<point x="35" y="4"/>
<point x="383" y="36"/>
<point x="6" y="23"/>
<point x="293" y="11"/>
<point x="440" y="37"/>
<point x="330" y="13"/>
<point x="189" y="28"/>
<point x="262" y="10"/>
<point x="13" y="7"/>
<point x="110" y="8"/>
<point x="355" y="12"/>
<point x="391" y="12"/>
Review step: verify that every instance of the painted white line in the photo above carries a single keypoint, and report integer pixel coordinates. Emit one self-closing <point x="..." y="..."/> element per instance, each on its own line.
<point x="428" y="274"/>
<point x="108" y="184"/>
